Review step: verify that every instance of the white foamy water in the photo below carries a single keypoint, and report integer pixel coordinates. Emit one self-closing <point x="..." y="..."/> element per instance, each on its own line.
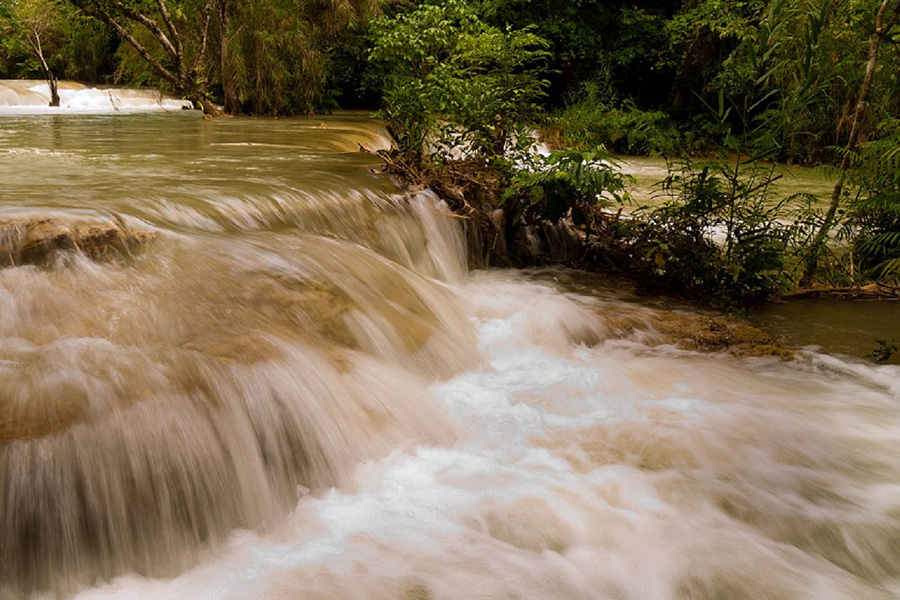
<point x="603" y="470"/>
<point x="20" y="97"/>
<point x="297" y="391"/>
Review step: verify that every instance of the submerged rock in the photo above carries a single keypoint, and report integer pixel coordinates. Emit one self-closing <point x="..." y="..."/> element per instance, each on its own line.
<point x="695" y="333"/>
<point x="39" y="241"/>
<point x="717" y="334"/>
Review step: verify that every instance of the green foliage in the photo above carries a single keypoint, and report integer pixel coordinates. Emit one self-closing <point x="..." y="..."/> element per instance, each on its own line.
<point x="48" y="25"/>
<point x="718" y="238"/>
<point x="701" y="37"/>
<point x="874" y="215"/>
<point x="278" y="51"/>
<point x="594" y="117"/>
<point x="727" y="210"/>
<point x="454" y="82"/>
<point x="263" y="57"/>
<point x="576" y="31"/>
<point x="565" y="184"/>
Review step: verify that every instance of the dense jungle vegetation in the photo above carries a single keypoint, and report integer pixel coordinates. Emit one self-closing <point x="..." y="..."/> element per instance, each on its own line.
<point x="725" y="90"/>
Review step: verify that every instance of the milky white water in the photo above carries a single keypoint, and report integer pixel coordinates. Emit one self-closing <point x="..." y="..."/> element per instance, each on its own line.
<point x="297" y="391"/>
<point x="32" y="97"/>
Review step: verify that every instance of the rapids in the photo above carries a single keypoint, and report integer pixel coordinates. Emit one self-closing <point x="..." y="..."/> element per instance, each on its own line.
<point x="297" y="390"/>
<point x="31" y="97"/>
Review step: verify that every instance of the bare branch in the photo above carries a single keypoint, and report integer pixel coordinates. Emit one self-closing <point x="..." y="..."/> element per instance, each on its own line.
<point x="128" y="37"/>
<point x="204" y="35"/>
<point x="35" y="43"/>
<point x="170" y="25"/>
<point x="154" y="28"/>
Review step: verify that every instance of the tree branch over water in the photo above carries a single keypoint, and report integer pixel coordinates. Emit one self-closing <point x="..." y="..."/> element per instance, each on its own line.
<point x="185" y="80"/>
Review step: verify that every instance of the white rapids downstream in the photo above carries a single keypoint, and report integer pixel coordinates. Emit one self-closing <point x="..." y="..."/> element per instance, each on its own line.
<point x="296" y="390"/>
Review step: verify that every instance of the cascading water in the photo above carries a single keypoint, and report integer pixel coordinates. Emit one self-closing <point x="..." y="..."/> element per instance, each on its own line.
<point x="33" y="97"/>
<point x="292" y="388"/>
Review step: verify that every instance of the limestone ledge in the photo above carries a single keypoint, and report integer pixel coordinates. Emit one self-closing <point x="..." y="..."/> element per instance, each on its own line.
<point x="39" y="241"/>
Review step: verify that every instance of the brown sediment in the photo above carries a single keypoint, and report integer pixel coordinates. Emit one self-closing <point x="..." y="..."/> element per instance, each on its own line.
<point x="37" y="241"/>
<point x="718" y="334"/>
<point x="225" y="327"/>
<point x="699" y="333"/>
<point x="27" y="412"/>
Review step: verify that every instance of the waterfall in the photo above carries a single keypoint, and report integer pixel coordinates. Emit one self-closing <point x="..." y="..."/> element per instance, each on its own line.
<point x="33" y="97"/>
<point x="237" y="362"/>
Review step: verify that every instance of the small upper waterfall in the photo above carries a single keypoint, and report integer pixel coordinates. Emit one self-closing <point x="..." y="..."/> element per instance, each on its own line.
<point x="33" y="97"/>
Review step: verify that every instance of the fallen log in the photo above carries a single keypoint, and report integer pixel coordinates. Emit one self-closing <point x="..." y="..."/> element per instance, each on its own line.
<point x="872" y="291"/>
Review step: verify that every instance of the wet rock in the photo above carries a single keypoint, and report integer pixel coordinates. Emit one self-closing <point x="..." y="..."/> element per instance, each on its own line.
<point x="40" y="241"/>
<point x="717" y="334"/>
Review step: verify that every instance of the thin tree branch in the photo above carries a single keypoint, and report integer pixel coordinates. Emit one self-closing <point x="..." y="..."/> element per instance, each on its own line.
<point x="124" y="33"/>
<point x="170" y="25"/>
<point x="858" y="114"/>
<point x="154" y="28"/>
<point x="204" y="36"/>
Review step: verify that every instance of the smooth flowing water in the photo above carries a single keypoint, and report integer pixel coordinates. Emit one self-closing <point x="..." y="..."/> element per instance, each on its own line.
<point x="650" y="172"/>
<point x="297" y="390"/>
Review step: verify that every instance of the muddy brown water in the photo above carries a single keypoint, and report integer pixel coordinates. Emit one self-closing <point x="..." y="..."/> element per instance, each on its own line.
<point x="297" y="390"/>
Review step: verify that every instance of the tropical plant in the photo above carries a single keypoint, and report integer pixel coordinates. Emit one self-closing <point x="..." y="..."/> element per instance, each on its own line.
<point x="874" y="210"/>
<point x="454" y="85"/>
<point x="565" y="184"/>
<point x="265" y="57"/>
<point x="170" y="36"/>
<point x="595" y="116"/>
<point x="884" y="23"/>
<point x="273" y="55"/>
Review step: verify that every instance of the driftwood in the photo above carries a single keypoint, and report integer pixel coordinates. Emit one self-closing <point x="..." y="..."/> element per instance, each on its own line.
<point x="872" y="291"/>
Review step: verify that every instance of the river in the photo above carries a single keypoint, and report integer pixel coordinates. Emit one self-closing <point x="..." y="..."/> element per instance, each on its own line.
<point x="296" y="389"/>
<point x="846" y="327"/>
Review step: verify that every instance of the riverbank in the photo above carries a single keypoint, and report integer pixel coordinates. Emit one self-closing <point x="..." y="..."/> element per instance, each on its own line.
<point x="474" y="192"/>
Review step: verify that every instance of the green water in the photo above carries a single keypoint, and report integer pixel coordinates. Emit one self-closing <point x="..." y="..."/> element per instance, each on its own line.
<point x="650" y="172"/>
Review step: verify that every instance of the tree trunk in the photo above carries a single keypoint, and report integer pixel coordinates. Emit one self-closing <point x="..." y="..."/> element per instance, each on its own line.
<point x="199" y="97"/>
<point x="229" y="89"/>
<point x="812" y="263"/>
<point x="54" y="89"/>
<point x="34" y="41"/>
<point x="209" y="107"/>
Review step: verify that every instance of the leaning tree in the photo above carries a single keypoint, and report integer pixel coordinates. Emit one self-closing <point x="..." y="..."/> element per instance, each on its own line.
<point x="171" y="36"/>
<point x="36" y="28"/>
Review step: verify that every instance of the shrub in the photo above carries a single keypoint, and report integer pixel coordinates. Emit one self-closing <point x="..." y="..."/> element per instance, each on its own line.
<point x="595" y="117"/>
<point x="565" y="184"/>
<point x="718" y="238"/>
<point x="454" y="83"/>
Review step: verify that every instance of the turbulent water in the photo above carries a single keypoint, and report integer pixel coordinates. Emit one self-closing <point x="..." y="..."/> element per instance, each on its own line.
<point x="29" y="97"/>
<point x="296" y="390"/>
